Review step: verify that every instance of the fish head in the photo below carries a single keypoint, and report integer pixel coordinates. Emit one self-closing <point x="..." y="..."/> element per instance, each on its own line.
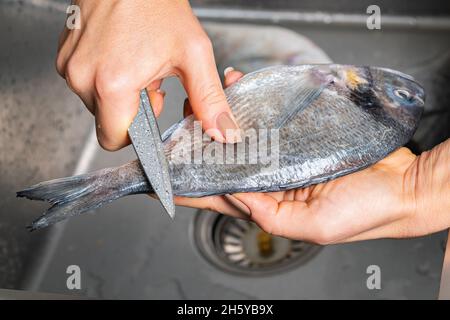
<point x="398" y="90"/>
<point x="399" y="97"/>
<point x="389" y="95"/>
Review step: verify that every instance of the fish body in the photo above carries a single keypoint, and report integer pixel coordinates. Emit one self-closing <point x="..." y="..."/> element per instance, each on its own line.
<point x="319" y="122"/>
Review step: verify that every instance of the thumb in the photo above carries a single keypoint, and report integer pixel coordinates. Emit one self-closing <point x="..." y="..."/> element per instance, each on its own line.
<point x="207" y="98"/>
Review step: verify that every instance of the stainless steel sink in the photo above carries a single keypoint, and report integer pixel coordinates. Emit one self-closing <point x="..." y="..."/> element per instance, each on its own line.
<point x="130" y="249"/>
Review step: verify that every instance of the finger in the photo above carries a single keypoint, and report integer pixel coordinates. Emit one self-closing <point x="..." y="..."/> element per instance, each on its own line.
<point x="116" y="106"/>
<point x="80" y="81"/>
<point x="66" y="48"/>
<point x="238" y="204"/>
<point x="155" y="85"/>
<point x="79" y="77"/>
<point x="156" y="100"/>
<point x="213" y="203"/>
<point x="74" y="68"/>
<point x="205" y="93"/>
<point x="62" y="37"/>
<point x="290" y="219"/>
<point x="88" y="101"/>
<point x="231" y="76"/>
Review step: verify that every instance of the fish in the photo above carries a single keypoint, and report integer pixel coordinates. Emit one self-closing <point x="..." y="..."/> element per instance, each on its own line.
<point x="320" y="122"/>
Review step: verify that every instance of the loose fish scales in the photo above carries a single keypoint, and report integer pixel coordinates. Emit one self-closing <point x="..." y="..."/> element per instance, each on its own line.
<point x="329" y="120"/>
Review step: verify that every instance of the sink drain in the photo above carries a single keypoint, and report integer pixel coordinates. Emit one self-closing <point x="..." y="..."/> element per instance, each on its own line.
<point x="241" y="247"/>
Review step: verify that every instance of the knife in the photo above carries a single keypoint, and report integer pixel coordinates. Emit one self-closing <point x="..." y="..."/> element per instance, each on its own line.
<point x="146" y="140"/>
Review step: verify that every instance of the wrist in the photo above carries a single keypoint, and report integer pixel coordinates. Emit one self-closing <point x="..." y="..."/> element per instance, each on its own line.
<point x="428" y="180"/>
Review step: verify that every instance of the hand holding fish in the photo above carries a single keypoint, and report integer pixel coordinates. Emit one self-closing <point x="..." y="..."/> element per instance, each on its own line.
<point x="401" y="196"/>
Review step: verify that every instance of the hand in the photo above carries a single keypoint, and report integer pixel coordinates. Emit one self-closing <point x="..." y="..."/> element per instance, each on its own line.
<point x="400" y="196"/>
<point x="125" y="46"/>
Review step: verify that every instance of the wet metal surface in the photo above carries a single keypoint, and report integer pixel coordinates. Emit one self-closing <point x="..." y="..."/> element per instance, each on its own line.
<point x="42" y="128"/>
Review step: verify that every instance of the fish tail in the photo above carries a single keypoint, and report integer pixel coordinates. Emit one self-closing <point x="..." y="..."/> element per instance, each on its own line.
<point x="75" y="195"/>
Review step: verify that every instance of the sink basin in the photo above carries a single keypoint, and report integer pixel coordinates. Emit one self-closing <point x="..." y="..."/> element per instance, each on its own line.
<point x="130" y="248"/>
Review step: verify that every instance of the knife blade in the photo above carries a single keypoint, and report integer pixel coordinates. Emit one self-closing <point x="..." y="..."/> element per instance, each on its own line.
<point x="146" y="140"/>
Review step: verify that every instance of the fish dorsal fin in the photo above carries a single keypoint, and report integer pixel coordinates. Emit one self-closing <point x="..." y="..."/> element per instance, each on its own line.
<point x="305" y="93"/>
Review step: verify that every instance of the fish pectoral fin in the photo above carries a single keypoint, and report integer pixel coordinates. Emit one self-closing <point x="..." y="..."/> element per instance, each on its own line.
<point x="301" y="99"/>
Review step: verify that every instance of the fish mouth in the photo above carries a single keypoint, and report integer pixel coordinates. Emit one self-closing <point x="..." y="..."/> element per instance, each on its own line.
<point x="420" y="97"/>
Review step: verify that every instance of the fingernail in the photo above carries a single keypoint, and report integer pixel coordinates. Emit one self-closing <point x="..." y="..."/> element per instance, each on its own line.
<point x="229" y="129"/>
<point x="227" y="70"/>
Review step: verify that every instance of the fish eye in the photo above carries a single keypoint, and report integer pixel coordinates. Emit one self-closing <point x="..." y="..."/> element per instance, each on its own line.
<point x="403" y="94"/>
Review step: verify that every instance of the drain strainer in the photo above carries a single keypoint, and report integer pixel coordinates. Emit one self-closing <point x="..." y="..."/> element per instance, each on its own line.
<point x="241" y="247"/>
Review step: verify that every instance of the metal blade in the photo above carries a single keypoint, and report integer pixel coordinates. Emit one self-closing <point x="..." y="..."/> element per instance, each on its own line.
<point x="146" y="140"/>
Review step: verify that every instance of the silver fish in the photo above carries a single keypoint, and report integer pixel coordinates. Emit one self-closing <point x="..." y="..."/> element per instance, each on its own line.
<point x="331" y="120"/>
